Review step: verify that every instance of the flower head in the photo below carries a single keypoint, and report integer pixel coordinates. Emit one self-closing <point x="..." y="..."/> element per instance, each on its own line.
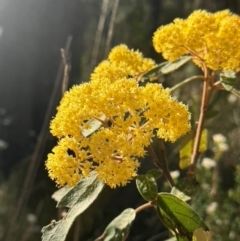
<point x="210" y="38"/>
<point x="127" y="117"/>
<point x="131" y="114"/>
<point x="122" y="62"/>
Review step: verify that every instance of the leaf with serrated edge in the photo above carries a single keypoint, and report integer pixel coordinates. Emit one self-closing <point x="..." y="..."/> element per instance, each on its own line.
<point x="118" y="229"/>
<point x="180" y="213"/>
<point x="78" y="199"/>
<point x="147" y="187"/>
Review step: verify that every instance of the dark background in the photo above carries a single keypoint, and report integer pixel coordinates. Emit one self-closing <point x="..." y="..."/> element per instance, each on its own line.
<point x="30" y="63"/>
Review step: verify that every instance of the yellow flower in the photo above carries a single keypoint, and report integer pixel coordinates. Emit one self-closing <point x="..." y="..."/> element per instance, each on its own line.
<point x="131" y="115"/>
<point x="122" y="62"/>
<point x="213" y="38"/>
<point x="115" y="172"/>
<point x="169" y="117"/>
<point x="126" y="115"/>
<point x="67" y="168"/>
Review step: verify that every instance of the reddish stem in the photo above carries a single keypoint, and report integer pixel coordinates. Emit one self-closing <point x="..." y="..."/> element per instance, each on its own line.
<point x="207" y="90"/>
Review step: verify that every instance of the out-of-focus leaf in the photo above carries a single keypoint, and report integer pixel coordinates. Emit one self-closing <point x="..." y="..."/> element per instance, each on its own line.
<point x="180" y="213"/>
<point x="155" y="173"/>
<point x="211" y="113"/>
<point x="118" y="229"/>
<point x="203" y="141"/>
<point x="187" y="186"/>
<point x="228" y="79"/>
<point x="147" y="187"/>
<point x="164" y="68"/>
<point x="176" y="192"/>
<point x="78" y="199"/>
<point x="186" y="151"/>
<point x="201" y="235"/>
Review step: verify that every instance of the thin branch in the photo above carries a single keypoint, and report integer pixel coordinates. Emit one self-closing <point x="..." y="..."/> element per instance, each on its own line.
<point x="111" y="27"/>
<point x="161" y="165"/>
<point x="165" y="163"/>
<point x="204" y="102"/>
<point x="154" y="157"/>
<point x="67" y="69"/>
<point x="99" y="32"/>
<point x="186" y="81"/>
<point x="144" y="206"/>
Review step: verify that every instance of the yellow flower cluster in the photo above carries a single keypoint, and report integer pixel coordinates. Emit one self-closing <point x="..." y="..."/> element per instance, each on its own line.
<point x="122" y="62"/>
<point x="128" y="116"/>
<point x="213" y="38"/>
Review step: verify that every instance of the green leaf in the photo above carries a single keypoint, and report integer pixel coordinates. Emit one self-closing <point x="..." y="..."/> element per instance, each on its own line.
<point x="176" y="192"/>
<point x="164" y="68"/>
<point x="118" y="229"/>
<point x="78" y="199"/>
<point x="211" y="113"/>
<point x="228" y="79"/>
<point x="166" y="221"/>
<point x="181" y="238"/>
<point x="153" y="73"/>
<point x="147" y="187"/>
<point x="188" y="186"/>
<point x="180" y="213"/>
<point x="170" y="67"/>
<point x="155" y="173"/>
